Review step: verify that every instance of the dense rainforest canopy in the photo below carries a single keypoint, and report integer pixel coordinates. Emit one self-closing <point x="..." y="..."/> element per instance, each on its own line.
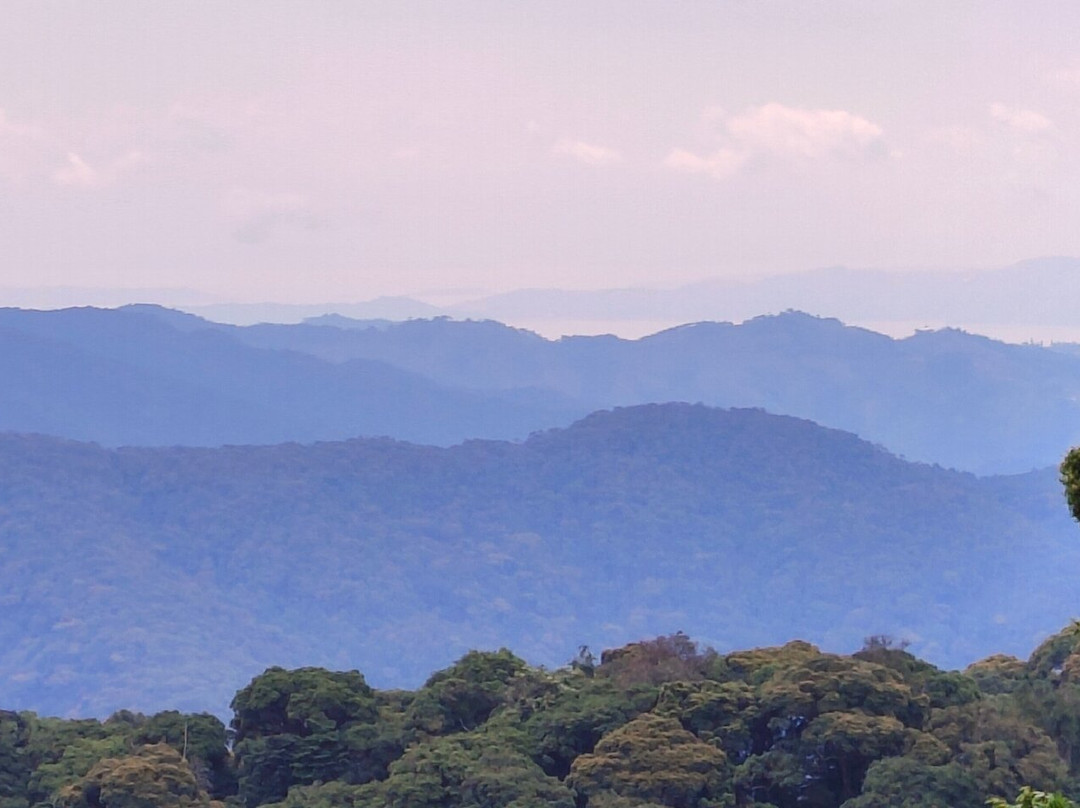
<point x="656" y="723"/>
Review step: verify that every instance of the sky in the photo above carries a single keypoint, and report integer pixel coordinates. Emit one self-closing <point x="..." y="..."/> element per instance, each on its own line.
<point x="315" y="151"/>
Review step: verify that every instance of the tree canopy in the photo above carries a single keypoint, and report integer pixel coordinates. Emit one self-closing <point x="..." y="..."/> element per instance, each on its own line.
<point x="661" y="723"/>
<point x="1070" y="479"/>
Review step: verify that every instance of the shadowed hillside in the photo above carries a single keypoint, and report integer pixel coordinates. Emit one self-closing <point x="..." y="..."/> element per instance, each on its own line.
<point x="149" y="376"/>
<point x="944" y="397"/>
<point x="143" y="577"/>
<point x="134" y="378"/>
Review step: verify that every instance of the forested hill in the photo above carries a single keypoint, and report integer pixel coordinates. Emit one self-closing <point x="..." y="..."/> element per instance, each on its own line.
<point x="149" y="376"/>
<point x="166" y="577"/>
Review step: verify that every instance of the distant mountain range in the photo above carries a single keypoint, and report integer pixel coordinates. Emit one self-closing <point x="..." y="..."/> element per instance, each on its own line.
<point x="146" y="578"/>
<point x="145" y="375"/>
<point x="1031" y="299"/>
<point x="1037" y="294"/>
<point x="1042" y="290"/>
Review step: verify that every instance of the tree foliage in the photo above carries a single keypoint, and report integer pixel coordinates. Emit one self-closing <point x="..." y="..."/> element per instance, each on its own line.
<point x="652" y="759"/>
<point x="1070" y="480"/>
<point x="660" y="723"/>
<point x="1030" y="798"/>
<point x="154" y="776"/>
<point x="301" y="727"/>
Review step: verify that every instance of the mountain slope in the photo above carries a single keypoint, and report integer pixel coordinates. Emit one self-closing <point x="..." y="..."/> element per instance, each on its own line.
<point x="133" y="377"/>
<point x="144" y="375"/>
<point x="151" y="577"/>
<point x="941" y="397"/>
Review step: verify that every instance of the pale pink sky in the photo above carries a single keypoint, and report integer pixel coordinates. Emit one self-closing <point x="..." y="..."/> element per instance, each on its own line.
<point x="315" y="151"/>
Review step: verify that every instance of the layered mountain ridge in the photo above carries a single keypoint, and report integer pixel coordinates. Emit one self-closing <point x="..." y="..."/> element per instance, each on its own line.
<point x="144" y="375"/>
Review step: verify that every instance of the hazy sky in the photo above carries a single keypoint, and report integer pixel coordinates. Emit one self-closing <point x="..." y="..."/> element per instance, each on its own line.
<point x="314" y="151"/>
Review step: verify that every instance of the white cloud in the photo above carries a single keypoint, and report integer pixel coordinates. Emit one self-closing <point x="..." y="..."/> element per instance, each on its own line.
<point x="773" y="129"/>
<point x="85" y="154"/>
<point x="1023" y="120"/>
<point x="719" y="165"/>
<point x="810" y="133"/>
<point x="588" y="153"/>
<point x="76" y="171"/>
